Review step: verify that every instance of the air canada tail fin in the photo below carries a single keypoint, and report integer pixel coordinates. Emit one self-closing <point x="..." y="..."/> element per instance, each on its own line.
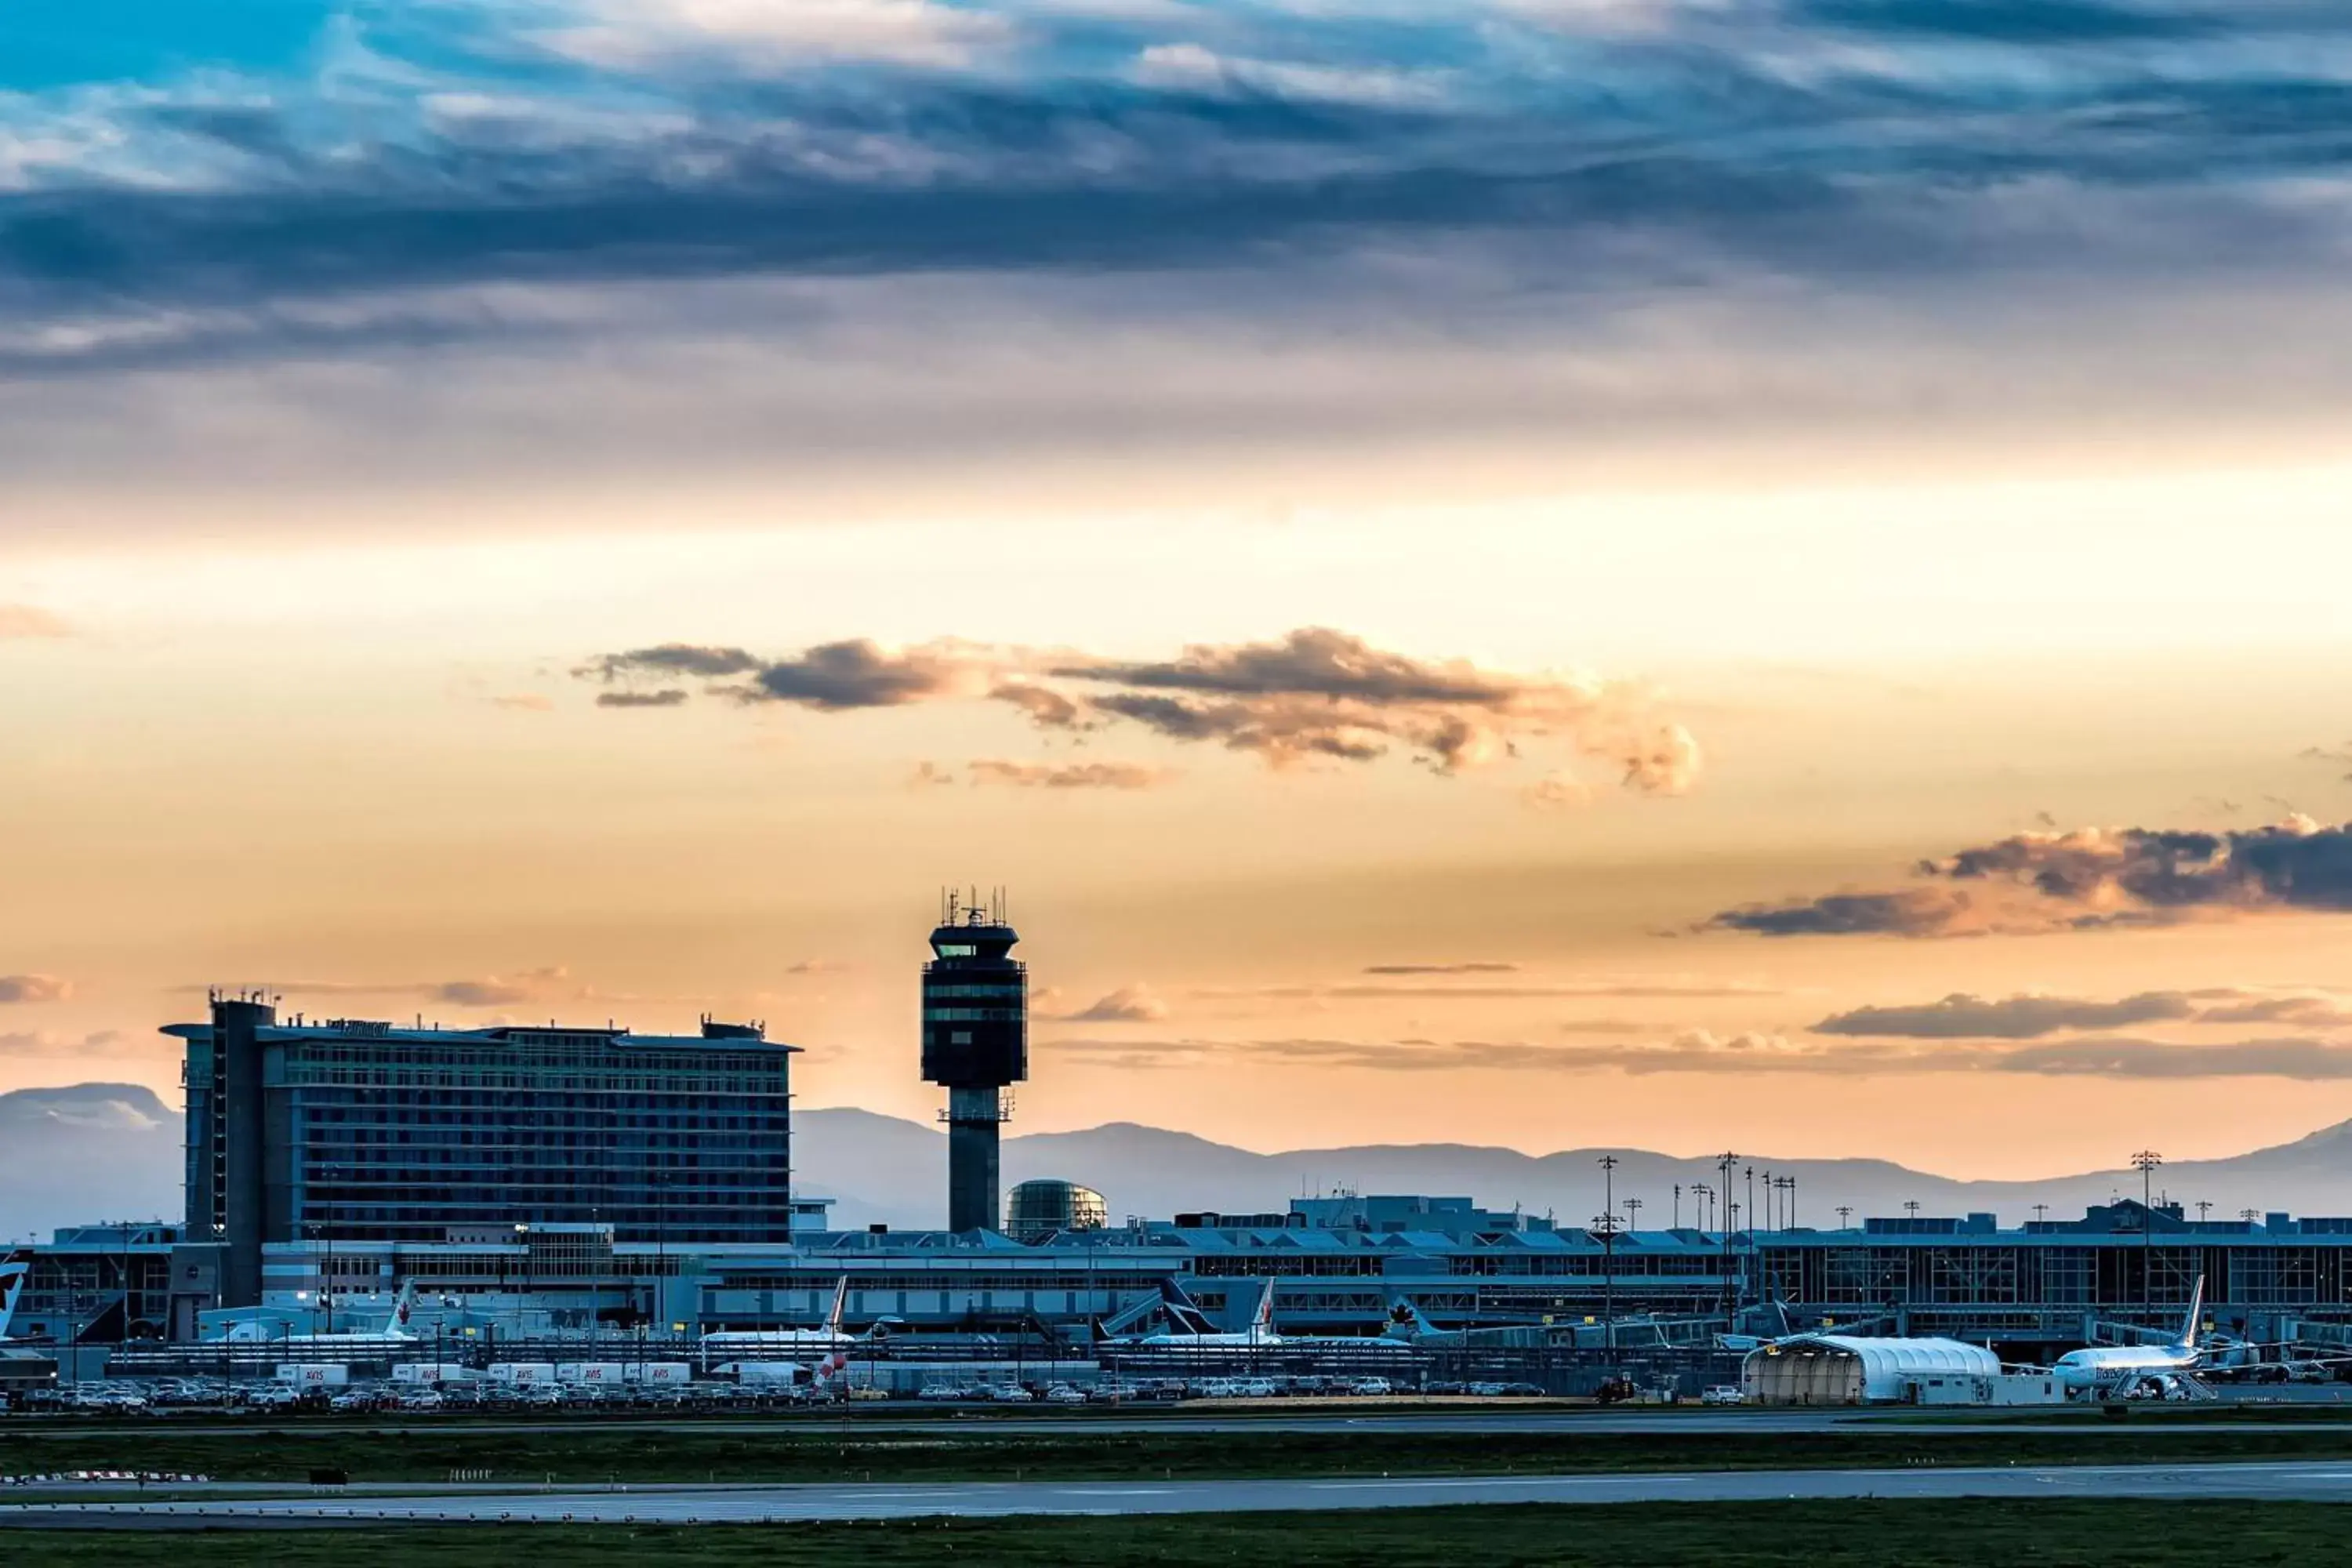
<point x="1406" y="1322"/>
<point x="404" y="1307"/>
<point x="1264" y="1317"/>
<point x="1182" y="1311"/>
<point x="13" y="1272"/>
<point x="840" y="1304"/>
<point x="2189" y="1325"/>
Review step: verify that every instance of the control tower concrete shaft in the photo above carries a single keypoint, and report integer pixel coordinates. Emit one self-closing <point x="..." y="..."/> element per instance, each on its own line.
<point x="975" y="1046"/>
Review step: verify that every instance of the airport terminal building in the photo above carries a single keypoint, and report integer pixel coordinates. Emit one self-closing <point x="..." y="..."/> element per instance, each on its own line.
<point x="538" y="1183"/>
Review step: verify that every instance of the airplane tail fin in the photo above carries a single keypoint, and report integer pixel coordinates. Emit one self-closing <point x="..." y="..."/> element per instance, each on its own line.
<point x="13" y="1272"/>
<point x="1182" y="1311"/>
<point x="404" y="1307"/>
<point x="1263" y="1318"/>
<point x="1405" y="1321"/>
<point x="2189" y="1325"/>
<point x="840" y="1303"/>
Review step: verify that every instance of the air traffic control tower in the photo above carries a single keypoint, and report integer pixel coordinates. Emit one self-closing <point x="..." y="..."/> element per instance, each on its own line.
<point x="975" y="1045"/>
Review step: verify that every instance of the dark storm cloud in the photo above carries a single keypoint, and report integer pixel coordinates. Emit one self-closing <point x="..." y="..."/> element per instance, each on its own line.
<point x="1959" y="1018"/>
<point x="458" y="146"/>
<point x="2088" y="880"/>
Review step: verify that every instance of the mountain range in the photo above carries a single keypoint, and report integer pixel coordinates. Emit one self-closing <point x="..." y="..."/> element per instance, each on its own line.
<point x="101" y="1151"/>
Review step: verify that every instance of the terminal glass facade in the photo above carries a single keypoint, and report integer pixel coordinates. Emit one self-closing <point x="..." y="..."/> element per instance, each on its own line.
<point x="365" y="1132"/>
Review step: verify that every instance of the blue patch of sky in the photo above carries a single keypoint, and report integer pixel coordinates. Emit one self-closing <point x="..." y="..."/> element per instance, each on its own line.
<point x="47" y="45"/>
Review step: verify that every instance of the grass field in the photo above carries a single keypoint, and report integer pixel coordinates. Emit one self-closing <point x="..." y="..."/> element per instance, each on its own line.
<point x="1724" y="1535"/>
<point x="603" y="1454"/>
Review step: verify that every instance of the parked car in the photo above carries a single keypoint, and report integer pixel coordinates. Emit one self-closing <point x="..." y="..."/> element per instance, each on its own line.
<point x="1063" y="1394"/>
<point x="1721" y="1394"/>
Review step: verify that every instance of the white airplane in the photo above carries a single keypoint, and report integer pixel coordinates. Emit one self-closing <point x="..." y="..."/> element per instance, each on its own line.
<point x="1190" y="1330"/>
<point x="829" y="1336"/>
<point x="2120" y="1372"/>
<point x="394" y="1333"/>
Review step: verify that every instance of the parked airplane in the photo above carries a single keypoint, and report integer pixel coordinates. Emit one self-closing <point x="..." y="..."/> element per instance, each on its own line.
<point x="830" y="1335"/>
<point x="395" y="1331"/>
<point x="2113" y="1372"/>
<point x="1189" y="1330"/>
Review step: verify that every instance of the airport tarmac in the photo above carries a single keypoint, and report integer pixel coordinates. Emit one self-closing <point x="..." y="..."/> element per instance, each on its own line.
<point x="2327" y="1482"/>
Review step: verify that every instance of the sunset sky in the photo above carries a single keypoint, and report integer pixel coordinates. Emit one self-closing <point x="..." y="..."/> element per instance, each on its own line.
<point x="1684" y="573"/>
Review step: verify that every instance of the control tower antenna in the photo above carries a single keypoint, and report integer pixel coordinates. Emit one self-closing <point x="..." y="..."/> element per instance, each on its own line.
<point x="975" y="1044"/>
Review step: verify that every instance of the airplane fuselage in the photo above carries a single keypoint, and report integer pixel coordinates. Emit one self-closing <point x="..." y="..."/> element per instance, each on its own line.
<point x="2120" y="1367"/>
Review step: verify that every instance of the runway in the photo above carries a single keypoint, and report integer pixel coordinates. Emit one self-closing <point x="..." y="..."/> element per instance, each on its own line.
<point x="2275" y="1481"/>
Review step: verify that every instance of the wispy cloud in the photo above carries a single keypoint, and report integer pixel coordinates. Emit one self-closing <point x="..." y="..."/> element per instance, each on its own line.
<point x="35" y="988"/>
<point x="1067" y="775"/>
<point x="26" y="621"/>
<point x="1135" y="1003"/>
<point x="2302" y="1059"/>
<point x="1313" y="695"/>
<point x="1962" y="1016"/>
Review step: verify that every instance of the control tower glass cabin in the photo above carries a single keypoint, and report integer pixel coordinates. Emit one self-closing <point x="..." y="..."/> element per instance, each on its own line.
<point x="975" y="1045"/>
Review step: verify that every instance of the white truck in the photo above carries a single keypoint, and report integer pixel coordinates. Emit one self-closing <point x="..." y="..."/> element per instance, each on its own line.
<point x="523" y="1373"/>
<point x="314" y="1374"/>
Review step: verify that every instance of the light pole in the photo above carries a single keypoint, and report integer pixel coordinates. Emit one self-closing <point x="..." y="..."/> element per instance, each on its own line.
<point x="2146" y="1162"/>
<point x="1702" y="1200"/>
<point x="1608" y="1163"/>
<point x="1845" y="1215"/>
<point x="2040" y="1210"/>
<point x="1678" y="1206"/>
<point x="1769" y="1186"/>
<point x="1633" y="1213"/>
<point x="1605" y="1227"/>
<point x="2204" y="1207"/>
<point x="1726" y="1164"/>
<point x="1788" y="1185"/>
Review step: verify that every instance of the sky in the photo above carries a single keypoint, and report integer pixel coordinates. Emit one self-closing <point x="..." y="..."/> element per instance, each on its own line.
<point x="1676" y="574"/>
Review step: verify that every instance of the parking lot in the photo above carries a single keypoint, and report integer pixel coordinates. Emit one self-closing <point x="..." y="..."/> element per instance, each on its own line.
<point x="489" y="1391"/>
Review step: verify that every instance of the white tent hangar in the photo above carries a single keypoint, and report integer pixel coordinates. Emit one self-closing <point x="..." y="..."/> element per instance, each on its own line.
<point x="1836" y="1369"/>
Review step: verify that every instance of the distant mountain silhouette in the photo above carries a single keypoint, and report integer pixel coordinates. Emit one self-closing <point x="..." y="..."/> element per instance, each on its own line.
<point x="885" y="1170"/>
<point x="97" y="1151"/>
